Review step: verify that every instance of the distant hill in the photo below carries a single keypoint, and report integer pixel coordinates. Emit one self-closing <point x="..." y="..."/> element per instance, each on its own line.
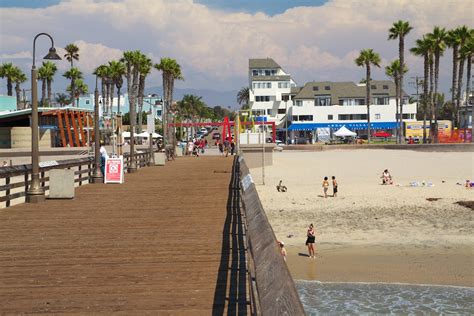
<point x="210" y="97"/>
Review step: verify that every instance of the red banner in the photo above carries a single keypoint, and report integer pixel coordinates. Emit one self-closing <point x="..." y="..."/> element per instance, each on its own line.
<point x="114" y="170"/>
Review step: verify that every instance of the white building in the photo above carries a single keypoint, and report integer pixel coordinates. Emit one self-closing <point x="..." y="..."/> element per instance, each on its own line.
<point x="267" y="83"/>
<point x="321" y="106"/>
<point x="465" y="111"/>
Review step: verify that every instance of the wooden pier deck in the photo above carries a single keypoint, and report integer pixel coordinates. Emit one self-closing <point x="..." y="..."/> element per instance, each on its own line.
<point x="167" y="241"/>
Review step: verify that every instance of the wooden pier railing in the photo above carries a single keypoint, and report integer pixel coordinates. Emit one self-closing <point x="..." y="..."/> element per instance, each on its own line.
<point x="15" y="180"/>
<point x="272" y="289"/>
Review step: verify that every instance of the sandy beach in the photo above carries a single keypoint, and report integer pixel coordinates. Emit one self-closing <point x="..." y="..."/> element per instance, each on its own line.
<point x="372" y="232"/>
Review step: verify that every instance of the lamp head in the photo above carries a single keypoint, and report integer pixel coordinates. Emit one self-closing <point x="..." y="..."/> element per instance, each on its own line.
<point x="52" y="55"/>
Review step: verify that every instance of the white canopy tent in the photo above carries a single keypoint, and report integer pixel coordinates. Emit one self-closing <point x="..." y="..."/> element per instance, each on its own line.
<point x="143" y="135"/>
<point x="344" y="132"/>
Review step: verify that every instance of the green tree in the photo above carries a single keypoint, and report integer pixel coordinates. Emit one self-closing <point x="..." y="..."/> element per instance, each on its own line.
<point x="19" y="77"/>
<point x="393" y="71"/>
<point x="80" y="89"/>
<point x="368" y="57"/>
<point x="171" y="71"/>
<point x="456" y="39"/>
<point x="424" y="48"/>
<point x="47" y="72"/>
<point x="7" y="70"/>
<point x="467" y="52"/>
<point x="438" y="42"/>
<point x="399" y="30"/>
<point x="103" y="72"/>
<point x="144" y="69"/>
<point x="243" y="97"/>
<point x="42" y="76"/>
<point x="73" y="74"/>
<point x="72" y="53"/>
<point x="117" y="71"/>
<point x="63" y="99"/>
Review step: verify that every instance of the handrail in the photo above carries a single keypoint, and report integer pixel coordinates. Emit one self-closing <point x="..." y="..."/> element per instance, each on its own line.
<point x="81" y="175"/>
<point x="273" y="290"/>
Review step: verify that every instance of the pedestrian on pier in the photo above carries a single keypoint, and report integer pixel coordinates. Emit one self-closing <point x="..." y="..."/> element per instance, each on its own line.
<point x="103" y="157"/>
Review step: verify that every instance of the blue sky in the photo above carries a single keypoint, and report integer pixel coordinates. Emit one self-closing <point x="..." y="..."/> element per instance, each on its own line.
<point x="270" y="7"/>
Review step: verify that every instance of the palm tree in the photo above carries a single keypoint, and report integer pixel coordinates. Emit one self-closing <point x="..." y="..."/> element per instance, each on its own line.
<point x="7" y="70"/>
<point x="438" y="42"/>
<point x="144" y="69"/>
<point x="117" y="71"/>
<point x="465" y="37"/>
<point x="42" y="75"/>
<point x="399" y="30"/>
<point x="366" y="58"/>
<point x="193" y="106"/>
<point x="102" y="72"/>
<point x="424" y="48"/>
<point x="47" y="72"/>
<point x="72" y="53"/>
<point x="63" y="99"/>
<point x="80" y="88"/>
<point x="19" y="77"/>
<point x="73" y="74"/>
<point x="393" y="71"/>
<point x="466" y="53"/>
<point x="171" y="71"/>
<point x="243" y="97"/>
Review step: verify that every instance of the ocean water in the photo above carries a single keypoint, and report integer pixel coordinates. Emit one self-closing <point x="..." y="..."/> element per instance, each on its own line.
<point x="323" y="298"/>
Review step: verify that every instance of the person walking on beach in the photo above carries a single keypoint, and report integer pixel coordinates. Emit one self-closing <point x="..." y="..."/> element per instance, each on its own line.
<point x="310" y="240"/>
<point x="325" y="186"/>
<point x="232" y="148"/>
<point x="282" y="249"/>
<point x="334" y="186"/>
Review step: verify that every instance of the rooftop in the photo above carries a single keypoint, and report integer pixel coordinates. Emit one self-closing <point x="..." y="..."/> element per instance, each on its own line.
<point x="262" y="63"/>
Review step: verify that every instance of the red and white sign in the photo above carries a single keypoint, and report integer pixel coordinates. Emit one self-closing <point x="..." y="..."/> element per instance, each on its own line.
<point x="114" y="170"/>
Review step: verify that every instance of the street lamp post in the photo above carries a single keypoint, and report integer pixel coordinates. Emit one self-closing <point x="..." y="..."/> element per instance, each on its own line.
<point x="97" y="176"/>
<point x="285" y="98"/>
<point x="35" y="193"/>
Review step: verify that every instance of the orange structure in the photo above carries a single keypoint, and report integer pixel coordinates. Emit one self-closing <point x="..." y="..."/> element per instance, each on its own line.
<point x="72" y="123"/>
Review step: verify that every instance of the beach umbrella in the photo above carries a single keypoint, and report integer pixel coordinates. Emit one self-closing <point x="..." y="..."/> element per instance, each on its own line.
<point x="343" y="132"/>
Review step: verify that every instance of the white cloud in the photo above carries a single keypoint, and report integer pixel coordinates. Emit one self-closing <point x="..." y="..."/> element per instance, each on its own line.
<point x="19" y="55"/>
<point x="214" y="46"/>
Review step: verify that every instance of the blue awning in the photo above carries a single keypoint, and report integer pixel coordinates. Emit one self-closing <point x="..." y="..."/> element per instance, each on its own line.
<point x="351" y="126"/>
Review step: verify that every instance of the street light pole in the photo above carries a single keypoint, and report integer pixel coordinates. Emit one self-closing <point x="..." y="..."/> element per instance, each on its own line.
<point x="97" y="176"/>
<point x="35" y="193"/>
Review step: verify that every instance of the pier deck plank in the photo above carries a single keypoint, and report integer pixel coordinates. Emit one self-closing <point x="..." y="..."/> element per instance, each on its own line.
<point x="152" y="244"/>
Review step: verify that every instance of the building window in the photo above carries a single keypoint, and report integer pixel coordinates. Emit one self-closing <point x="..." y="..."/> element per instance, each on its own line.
<point x="269" y="111"/>
<point x="299" y="103"/>
<point x="294" y="118"/>
<point x="406" y="116"/>
<point x="327" y="88"/>
<point x="284" y="85"/>
<point x="350" y="117"/>
<point x="323" y="100"/>
<point x="385" y="87"/>
<point x="255" y="72"/>
<point x="405" y="100"/>
<point x="262" y="98"/>
<point x="330" y="117"/>
<point x="281" y="111"/>
<point x="262" y="85"/>
<point x="315" y="88"/>
<point x="87" y="102"/>
<point x="258" y="112"/>
<point x="377" y="116"/>
<point x="351" y="101"/>
<point x="158" y="112"/>
<point x="372" y="86"/>
<point x="412" y="116"/>
<point x="381" y="100"/>
<point x="305" y="117"/>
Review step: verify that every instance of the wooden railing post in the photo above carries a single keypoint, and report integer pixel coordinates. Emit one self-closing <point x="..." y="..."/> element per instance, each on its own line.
<point x="80" y="175"/>
<point x="7" y="192"/>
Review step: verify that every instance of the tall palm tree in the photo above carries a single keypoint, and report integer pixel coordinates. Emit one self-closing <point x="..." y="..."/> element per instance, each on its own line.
<point x="399" y="30"/>
<point x="42" y="75"/>
<point x="243" y="97"/>
<point x="7" y="70"/>
<point x="465" y="37"/>
<point x="102" y="72"/>
<point x="466" y="53"/>
<point x="171" y="71"/>
<point x="438" y="42"/>
<point x="47" y="72"/>
<point x="193" y="106"/>
<point x="73" y="74"/>
<point x="117" y="71"/>
<point x="19" y="77"/>
<point x="72" y="53"/>
<point x="144" y="69"/>
<point x="424" y="48"/>
<point x="368" y="57"/>
<point x="393" y="71"/>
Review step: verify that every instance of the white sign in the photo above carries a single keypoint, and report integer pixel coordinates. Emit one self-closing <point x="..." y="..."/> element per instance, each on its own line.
<point x="150" y="123"/>
<point x="48" y="163"/>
